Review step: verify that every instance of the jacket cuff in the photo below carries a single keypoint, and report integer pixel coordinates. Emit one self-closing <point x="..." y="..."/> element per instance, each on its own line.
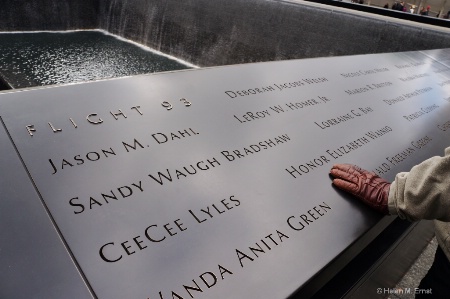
<point x="392" y="200"/>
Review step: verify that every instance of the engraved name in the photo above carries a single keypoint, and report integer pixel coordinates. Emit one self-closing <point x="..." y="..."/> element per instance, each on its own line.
<point x="169" y="175"/>
<point x="92" y="156"/>
<point x="406" y="96"/>
<point x="421" y="112"/>
<point x="199" y="284"/>
<point x="445" y="126"/>
<point x="364" y="72"/>
<point x="315" y="163"/>
<point x="401" y="156"/>
<point x="409" y="151"/>
<point x="115" y="251"/>
<point x="273" y="87"/>
<point x="204" y="214"/>
<point x="343" y="118"/>
<point x="81" y="205"/>
<point x="101" y="154"/>
<point x="277" y="109"/>
<point x="413" y="77"/>
<point x="304" y="220"/>
<point x="367" y="88"/>
<point x="232" y="155"/>
<point x="422" y="142"/>
<point x="417" y="92"/>
<point x="407" y="65"/>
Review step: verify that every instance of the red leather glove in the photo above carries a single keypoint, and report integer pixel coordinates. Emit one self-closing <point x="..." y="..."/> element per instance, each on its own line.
<point x="363" y="184"/>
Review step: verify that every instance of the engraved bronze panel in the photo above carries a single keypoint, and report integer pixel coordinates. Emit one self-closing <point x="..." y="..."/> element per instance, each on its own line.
<point x="213" y="183"/>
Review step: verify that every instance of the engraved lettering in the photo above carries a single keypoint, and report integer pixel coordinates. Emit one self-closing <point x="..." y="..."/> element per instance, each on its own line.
<point x="116" y="114"/>
<point x="54" y="129"/>
<point x="183" y="172"/>
<point x="30" y="129"/>
<point x="300" y="222"/>
<point x="113" y="195"/>
<point x="95" y="122"/>
<point x="102" y="255"/>
<point x="90" y="156"/>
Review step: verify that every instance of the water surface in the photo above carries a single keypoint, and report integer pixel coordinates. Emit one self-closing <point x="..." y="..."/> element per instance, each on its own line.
<point x="44" y="58"/>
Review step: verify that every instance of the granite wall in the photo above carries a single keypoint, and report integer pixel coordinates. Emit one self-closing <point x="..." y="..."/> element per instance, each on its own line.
<point x="27" y="15"/>
<point x="217" y="32"/>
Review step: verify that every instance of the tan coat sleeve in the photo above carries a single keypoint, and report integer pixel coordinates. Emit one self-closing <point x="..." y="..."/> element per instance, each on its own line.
<point x="424" y="192"/>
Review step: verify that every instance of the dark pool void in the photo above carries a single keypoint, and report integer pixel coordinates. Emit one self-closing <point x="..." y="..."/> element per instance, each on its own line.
<point x="3" y="84"/>
<point x="43" y="58"/>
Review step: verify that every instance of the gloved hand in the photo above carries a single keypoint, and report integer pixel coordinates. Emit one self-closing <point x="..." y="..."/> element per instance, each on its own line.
<point x="363" y="184"/>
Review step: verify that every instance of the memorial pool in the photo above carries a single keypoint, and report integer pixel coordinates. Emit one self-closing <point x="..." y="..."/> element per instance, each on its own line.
<point x="45" y="58"/>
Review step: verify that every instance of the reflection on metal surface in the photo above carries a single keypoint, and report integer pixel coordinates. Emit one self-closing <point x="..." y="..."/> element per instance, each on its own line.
<point x="216" y="200"/>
